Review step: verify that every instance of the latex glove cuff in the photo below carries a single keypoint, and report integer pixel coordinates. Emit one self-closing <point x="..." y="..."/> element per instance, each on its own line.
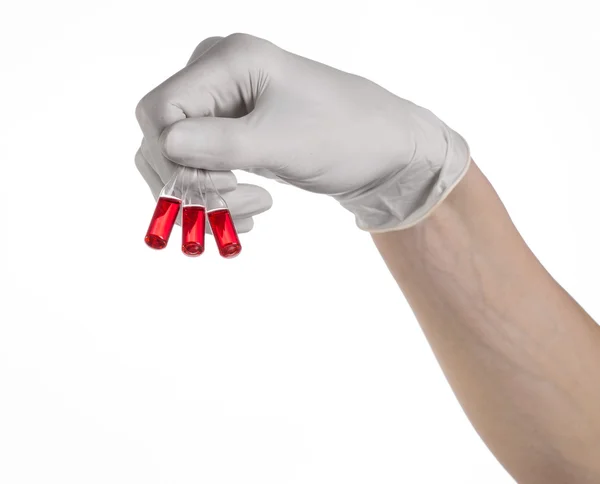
<point x="409" y="196"/>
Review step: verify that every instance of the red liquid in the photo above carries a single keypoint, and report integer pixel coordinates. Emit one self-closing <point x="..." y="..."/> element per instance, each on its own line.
<point x="223" y="229"/>
<point x="162" y="222"/>
<point x="193" y="222"/>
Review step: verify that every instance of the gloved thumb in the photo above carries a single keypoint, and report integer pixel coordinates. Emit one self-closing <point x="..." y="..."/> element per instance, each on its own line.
<point x="212" y="143"/>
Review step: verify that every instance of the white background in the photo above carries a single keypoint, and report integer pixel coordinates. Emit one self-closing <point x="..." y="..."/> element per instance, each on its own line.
<point x="299" y="361"/>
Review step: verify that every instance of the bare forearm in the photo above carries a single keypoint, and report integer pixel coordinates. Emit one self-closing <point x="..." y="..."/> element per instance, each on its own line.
<point x="521" y="355"/>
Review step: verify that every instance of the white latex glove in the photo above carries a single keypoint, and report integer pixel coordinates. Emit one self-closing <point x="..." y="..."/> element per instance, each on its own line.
<point x="244" y="200"/>
<point x="247" y="104"/>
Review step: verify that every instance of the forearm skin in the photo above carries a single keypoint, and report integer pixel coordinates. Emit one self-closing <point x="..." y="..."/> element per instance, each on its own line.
<point x="521" y="355"/>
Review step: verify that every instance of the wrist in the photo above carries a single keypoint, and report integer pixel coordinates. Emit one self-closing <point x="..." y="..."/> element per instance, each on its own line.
<point x="471" y="219"/>
<point x="412" y="194"/>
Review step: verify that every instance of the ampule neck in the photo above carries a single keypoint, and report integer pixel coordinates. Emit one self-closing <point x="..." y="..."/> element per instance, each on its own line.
<point x="173" y="188"/>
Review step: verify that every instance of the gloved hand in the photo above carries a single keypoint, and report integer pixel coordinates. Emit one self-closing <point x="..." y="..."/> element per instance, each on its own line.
<point x="244" y="200"/>
<point x="246" y="104"/>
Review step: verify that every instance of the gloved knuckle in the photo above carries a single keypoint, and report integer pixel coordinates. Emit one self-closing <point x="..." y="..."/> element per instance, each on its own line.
<point x="210" y="40"/>
<point x="203" y="47"/>
<point x="248" y="43"/>
<point x="155" y="104"/>
<point x="240" y="38"/>
<point x="142" y="110"/>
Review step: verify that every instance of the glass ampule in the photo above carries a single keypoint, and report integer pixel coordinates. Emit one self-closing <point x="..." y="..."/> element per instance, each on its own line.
<point x="220" y="220"/>
<point x="194" y="213"/>
<point x="165" y="213"/>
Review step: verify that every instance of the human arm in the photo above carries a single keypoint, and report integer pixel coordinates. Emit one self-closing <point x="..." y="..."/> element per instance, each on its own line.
<point x="522" y="357"/>
<point x="246" y="104"/>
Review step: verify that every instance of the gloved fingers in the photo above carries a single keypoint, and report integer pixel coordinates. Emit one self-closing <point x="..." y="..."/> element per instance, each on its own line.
<point x="163" y="167"/>
<point x="213" y="144"/>
<point x="225" y="181"/>
<point x="248" y="200"/>
<point x="160" y="108"/>
<point x="244" y="200"/>
<point x="219" y="83"/>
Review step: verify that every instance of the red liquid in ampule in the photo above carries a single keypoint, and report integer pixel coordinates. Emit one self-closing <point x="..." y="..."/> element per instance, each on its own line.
<point x="223" y="229"/>
<point x="162" y="222"/>
<point x="193" y="222"/>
